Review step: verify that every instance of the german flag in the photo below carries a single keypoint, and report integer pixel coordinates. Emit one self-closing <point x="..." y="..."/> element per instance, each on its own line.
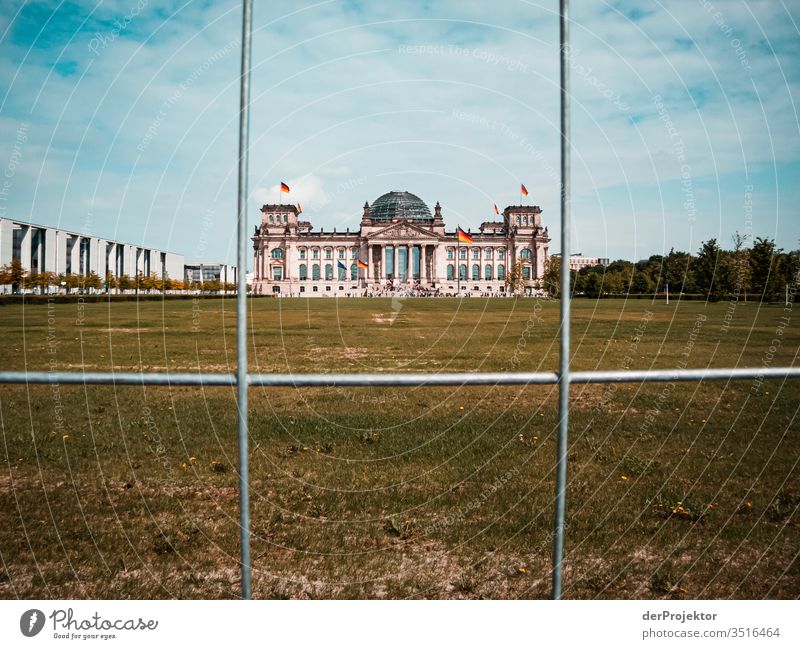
<point x="496" y="211"/>
<point x="299" y="209"/>
<point x="523" y="190"/>
<point x="463" y="237"/>
<point x="362" y="264"/>
<point x="284" y="188"/>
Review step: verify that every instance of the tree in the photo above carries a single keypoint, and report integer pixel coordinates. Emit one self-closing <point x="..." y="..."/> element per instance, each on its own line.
<point x="642" y="284"/>
<point x="594" y="285"/>
<point x="676" y="271"/>
<point x="111" y="281"/>
<point x="739" y="266"/>
<point x="71" y="281"/>
<point x="45" y="280"/>
<point x="124" y="282"/>
<point x="764" y="269"/>
<point x="552" y="276"/>
<point x="151" y="283"/>
<point x="92" y="281"/>
<point x="579" y="283"/>
<point x="515" y="283"/>
<point x="14" y="274"/>
<point x="213" y="286"/>
<point x="709" y="270"/>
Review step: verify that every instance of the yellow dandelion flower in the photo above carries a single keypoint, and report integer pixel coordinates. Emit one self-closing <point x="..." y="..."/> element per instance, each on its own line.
<point x="461" y="407"/>
<point x="624" y="477"/>
<point x="184" y="465"/>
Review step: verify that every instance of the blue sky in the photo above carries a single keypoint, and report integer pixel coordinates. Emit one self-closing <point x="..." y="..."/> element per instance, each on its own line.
<point x="120" y="118"/>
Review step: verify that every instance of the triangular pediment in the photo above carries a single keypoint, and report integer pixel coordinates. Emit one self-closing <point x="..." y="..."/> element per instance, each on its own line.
<point x="402" y="230"/>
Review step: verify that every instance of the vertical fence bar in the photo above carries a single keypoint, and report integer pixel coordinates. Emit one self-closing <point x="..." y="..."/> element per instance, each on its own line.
<point x="241" y="301"/>
<point x="563" y="374"/>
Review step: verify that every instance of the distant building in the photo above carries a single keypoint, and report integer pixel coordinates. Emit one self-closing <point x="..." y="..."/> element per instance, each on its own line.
<point x="201" y="272"/>
<point x="41" y="248"/>
<point x="578" y="261"/>
<point x="400" y="246"/>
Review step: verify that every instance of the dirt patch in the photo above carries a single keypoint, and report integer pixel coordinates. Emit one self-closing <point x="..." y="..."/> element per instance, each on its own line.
<point x="124" y="330"/>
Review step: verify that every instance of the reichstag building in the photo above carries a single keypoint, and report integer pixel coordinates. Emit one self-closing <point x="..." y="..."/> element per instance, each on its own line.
<point x="400" y="248"/>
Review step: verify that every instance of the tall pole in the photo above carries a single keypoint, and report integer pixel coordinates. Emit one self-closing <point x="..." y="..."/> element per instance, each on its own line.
<point x="241" y="301"/>
<point x="563" y="375"/>
<point x="458" y="257"/>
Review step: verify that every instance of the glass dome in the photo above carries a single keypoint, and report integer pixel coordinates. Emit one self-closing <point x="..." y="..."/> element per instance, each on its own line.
<point x="399" y="205"/>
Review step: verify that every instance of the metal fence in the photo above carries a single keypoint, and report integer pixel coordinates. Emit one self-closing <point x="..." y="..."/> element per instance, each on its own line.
<point x="243" y="380"/>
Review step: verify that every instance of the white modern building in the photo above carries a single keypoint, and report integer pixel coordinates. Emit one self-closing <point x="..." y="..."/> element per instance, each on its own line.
<point x="42" y="248"/>
<point x="400" y="246"/>
<point x="578" y="260"/>
<point x="200" y="272"/>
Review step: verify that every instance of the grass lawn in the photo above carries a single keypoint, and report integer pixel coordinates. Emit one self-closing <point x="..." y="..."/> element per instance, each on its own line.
<point x="675" y="491"/>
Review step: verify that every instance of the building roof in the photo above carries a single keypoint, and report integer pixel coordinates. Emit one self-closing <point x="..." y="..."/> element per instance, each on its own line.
<point x="399" y="205"/>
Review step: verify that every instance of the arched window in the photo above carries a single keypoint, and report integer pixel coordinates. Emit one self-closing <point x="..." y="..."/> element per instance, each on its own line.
<point x="271" y="220"/>
<point x="302" y="253"/>
<point x="476" y="271"/>
<point x="487" y="271"/>
<point x="526" y="272"/>
<point x="488" y="253"/>
<point x="519" y="221"/>
<point x="451" y="270"/>
<point x="315" y="271"/>
<point x="354" y="272"/>
<point x="328" y="271"/>
<point x="462" y="271"/>
<point x="277" y="253"/>
<point x="315" y="253"/>
<point x="450" y="254"/>
<point x="525" y="220"/>
<point x="341" y="271"/>
<point x="501" y="254"/>
<point x="303" y="272"/>
<point x="525" y="253"/>
<point x="476" y="253"/>
<point x="462" y="254"/>
<point x="328" y="253"/>
<point x="341" y="253"/>
<point x="501" y="271"/>
<point x="354" y="253"/>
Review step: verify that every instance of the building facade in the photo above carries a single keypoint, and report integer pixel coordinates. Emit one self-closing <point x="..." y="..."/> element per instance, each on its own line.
<point x="400" y="246"/>
<point x="41" y="248"/>
<point x="199" y="272"/>
<point x="577" y="261"/>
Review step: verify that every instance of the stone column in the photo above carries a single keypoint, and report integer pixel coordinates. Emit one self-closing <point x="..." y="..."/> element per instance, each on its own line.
<point x="288" y="262"/>
<point x="25" y="247"/>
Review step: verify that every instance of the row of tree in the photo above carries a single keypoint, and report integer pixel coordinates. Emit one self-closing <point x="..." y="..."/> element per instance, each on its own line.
<point x="15" y="275"/>
<point x="761" y="272"/>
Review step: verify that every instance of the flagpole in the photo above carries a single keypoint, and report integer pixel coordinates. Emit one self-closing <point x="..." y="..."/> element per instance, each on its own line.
<point x="458" y="257"/>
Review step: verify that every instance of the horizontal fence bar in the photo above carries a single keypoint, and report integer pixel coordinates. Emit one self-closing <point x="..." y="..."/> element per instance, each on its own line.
<point x="400" y="380"/>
